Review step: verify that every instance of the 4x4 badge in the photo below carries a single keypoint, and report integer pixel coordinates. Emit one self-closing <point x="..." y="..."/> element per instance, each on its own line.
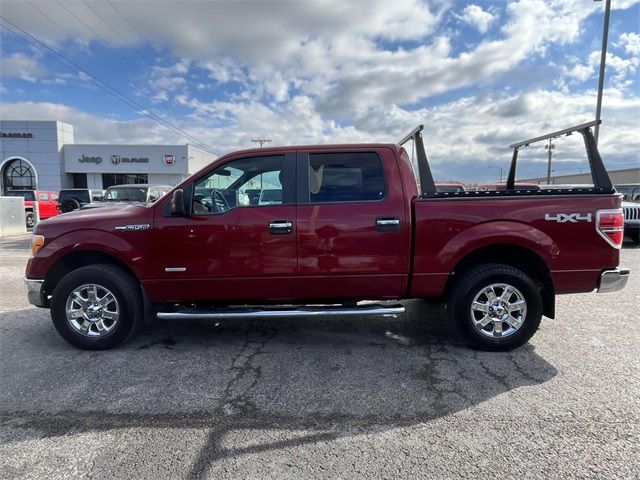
<point x="568" y="217"/>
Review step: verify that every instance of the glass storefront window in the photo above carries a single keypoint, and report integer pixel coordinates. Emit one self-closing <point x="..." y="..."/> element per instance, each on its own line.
<point x="110" y="179"/>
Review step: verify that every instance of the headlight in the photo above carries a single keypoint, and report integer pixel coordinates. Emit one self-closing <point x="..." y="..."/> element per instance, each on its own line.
<point x="37" y="242"/>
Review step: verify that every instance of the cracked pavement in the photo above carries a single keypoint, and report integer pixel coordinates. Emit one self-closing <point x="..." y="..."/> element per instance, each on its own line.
<point x="376" y="397"/>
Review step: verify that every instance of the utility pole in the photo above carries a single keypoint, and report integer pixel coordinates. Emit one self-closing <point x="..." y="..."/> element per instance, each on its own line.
<point x="603" y="57"/>
<point x="261" y="141"/>
<point x="500" y="168"/>
<point x="550" y="146"/>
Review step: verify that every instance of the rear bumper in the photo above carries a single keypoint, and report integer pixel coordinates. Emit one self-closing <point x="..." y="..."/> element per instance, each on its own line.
<point x="35" y="295"/>
<point x="613" y="280"/>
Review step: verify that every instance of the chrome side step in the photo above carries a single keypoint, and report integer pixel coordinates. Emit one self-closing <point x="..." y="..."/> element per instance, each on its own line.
<point x="282" y="313"/>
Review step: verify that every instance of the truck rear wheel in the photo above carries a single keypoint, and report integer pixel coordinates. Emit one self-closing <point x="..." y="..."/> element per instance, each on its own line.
<point x="96" y="307"/>
<point x="495" y="307"/>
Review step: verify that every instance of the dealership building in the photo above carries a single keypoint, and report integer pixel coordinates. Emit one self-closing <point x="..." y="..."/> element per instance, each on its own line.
<point x="43" y="155"/>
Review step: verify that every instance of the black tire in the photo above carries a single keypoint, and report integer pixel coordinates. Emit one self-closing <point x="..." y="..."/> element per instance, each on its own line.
<point x="471" y="284"/>
<point x="124" y="288"/>
<point x="69" y="205"/>
<point x="30" y="219"/>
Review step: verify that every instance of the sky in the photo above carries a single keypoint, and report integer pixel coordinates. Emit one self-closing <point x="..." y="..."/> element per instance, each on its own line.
<point x="479" y="75"/>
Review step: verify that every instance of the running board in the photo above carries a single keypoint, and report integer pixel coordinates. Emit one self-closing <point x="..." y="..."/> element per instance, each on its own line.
<point x="286" y="313"/>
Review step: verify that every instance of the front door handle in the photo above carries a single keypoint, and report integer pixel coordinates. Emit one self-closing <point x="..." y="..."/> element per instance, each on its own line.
<point x="280" y="227"/>
<point x="387" y="224"/>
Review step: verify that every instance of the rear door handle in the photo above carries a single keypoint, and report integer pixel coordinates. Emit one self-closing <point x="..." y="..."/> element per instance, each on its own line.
<point x="280" y="227"/>
<point x="387" y="224"/>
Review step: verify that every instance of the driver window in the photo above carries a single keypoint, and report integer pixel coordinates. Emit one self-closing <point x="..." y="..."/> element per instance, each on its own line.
<point x="256" y="181"/>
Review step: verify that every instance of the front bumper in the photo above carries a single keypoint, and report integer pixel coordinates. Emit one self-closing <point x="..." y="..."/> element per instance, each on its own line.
<point x="34" y="292"/>
<point x="613" y="280"/>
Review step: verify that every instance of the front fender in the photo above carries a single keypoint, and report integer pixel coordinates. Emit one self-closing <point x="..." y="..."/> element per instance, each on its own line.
<point x="87" y="240"/>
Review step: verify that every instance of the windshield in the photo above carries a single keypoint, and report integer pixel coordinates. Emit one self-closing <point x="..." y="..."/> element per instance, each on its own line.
<point x="272" y="196"/>
<point x="28" y="195"/>
<point x="126" y="194"/>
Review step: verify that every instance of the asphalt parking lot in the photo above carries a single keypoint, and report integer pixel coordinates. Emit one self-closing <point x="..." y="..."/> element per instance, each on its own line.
<point x="350" y="398"/>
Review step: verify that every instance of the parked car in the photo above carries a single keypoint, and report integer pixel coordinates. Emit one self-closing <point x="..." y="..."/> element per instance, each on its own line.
<point x="630" y="192"/>
<point x="632" y="220"/>
<point x="450" y="187"/>
<point x="488" y="187"/>
<point x="71" y="199"/>
<point x="270" y="196"/>
<point x="130" y="193"/>
<point x="352" y="227"/>
<point x="47" y="204"/>
<point x="631" y="208"/>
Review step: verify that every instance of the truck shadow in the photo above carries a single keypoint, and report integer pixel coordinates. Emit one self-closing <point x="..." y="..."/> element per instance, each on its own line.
<point x="310" y="380"/>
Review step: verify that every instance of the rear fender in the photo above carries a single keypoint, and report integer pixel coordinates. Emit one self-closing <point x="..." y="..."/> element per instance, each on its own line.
<point x="502" y="232"/>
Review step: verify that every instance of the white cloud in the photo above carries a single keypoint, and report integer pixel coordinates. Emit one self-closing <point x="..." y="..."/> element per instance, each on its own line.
<point x="479" y="18"/>
<point x="462" y="137"/>
<point x="630" y="42"/>
<point x="580" y="72"/>
<point x="18" y="65"/>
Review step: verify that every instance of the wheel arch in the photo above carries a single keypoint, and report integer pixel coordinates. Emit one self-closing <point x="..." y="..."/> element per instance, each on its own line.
<point x="515" y="256"/>
<point x="76" y="259"/>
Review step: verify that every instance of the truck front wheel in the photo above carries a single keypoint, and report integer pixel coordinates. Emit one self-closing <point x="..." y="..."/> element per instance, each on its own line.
<point x="30" y="219"/>
<point x="96" y="307"/>
<point x="495" y="307"/>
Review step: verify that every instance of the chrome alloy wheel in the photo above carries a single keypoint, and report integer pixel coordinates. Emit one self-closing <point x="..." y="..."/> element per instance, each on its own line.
<point x="498" y="310"/>
<point x="92" y="310"/>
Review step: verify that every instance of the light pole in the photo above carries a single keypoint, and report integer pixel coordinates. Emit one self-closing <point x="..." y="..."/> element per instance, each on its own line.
<point x="603" y="57"/>
<point x="550" y="147"/>
<point x="499" y="168"/>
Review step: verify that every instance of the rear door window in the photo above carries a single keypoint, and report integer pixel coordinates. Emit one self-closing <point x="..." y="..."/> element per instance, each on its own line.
<point x="345" y="177"/>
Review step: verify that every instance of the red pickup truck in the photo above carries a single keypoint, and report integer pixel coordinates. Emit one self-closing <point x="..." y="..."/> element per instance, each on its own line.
<point x="47" y="204"/>
<point x="350" y="225"/>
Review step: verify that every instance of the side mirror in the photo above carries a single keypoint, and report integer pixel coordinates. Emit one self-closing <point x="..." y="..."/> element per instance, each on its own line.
<point x="177" y="203"/>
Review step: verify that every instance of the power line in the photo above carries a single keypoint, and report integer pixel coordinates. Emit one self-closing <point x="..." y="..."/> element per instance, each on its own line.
<point x="144" y="39"/>
<point x="49" y="18"/>
<point x="105" y="41"/>
<point x="101" y="84"/>
<point x="107" y="23"/>
<point x="128" y="22"/>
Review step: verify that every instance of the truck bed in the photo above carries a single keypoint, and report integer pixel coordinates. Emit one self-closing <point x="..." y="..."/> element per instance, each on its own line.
<point x="448" y="227"/>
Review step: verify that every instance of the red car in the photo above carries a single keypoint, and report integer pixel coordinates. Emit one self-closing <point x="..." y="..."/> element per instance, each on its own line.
<point x="47" y="204"/>
<point x="450" y="187"/>
<point x="349" y="225"/>
<point x="502" y="186"/>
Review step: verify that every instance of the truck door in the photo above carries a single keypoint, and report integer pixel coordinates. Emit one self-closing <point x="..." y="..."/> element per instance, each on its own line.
<point x="46" y="205"/>
<point x="228" y="249"/>
<point x="352" y="225"/>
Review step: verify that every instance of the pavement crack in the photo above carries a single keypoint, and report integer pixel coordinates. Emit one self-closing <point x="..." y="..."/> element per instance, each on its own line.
<point x="236" y="396"/>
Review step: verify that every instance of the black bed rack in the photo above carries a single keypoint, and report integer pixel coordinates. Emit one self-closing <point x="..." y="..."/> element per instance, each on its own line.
<point x="601" y="181"/>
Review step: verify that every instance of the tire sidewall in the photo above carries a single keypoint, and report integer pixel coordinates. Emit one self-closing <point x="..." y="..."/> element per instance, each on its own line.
<point x="30" y="219"/>
<point x="532" y="320"/>
<point x="69" y="205"/>
<point x="118" y="283"/>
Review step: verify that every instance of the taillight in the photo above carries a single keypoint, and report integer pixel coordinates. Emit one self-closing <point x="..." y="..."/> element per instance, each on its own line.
<point x="610" y="226"/>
